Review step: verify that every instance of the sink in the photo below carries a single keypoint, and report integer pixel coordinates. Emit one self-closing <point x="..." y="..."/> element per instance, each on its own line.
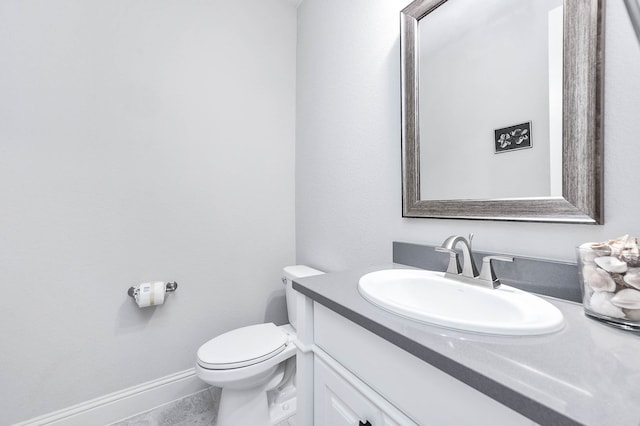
<point x="429" y="297"/>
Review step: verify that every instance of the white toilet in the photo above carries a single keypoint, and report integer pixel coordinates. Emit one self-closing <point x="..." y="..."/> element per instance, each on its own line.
<point x="255" y="366"/>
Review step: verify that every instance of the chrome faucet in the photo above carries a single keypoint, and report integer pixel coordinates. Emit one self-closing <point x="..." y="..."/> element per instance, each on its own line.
<point x="469" y="273"/>
<point x="469" y="269"/>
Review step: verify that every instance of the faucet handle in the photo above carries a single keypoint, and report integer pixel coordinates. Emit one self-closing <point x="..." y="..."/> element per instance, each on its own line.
<point x="487" y="273"/>
<point x="454" y="264"/>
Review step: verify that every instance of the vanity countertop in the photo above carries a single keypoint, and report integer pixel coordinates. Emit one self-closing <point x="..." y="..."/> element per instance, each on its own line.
<point x="587" y="373"/>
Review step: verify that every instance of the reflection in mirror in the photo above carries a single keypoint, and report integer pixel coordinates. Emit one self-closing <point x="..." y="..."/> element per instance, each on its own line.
<point x="505" y="60"/>
<point x="633" y="7"/>
<point x="502" y="109"/>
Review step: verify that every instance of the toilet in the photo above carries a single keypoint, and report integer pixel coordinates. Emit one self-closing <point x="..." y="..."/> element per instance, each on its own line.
<point x="255" y="366"/>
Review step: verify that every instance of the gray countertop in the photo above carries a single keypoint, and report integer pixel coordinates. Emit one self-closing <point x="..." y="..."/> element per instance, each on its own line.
<point x="587" y="373"/>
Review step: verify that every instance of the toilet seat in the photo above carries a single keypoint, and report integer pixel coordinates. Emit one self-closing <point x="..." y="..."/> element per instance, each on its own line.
<point x="242" y="347"/>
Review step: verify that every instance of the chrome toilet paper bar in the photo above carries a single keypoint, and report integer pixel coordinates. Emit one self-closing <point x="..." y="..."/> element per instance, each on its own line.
<point x="171" y="286"/>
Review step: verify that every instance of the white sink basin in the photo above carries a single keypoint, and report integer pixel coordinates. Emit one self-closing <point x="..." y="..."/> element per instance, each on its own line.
<point x="429" y="297"/>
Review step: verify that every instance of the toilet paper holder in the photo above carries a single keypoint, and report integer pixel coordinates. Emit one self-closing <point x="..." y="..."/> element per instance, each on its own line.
<point x="171" y="286"/>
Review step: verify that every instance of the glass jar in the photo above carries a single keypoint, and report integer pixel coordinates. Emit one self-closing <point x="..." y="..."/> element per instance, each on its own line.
<point x="610" y="282"/>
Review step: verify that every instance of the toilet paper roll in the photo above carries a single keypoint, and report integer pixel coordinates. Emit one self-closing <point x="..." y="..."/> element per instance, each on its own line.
<point x="150" y="294"/>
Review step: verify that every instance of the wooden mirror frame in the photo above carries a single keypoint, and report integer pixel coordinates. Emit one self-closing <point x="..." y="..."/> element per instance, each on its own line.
<point x="582" y="139"/>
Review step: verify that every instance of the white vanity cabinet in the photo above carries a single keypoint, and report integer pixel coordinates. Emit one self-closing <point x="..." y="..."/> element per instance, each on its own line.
<point x="348" y="375"/>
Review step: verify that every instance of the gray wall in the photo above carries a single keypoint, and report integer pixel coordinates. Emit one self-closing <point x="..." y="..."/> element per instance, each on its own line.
<point x="348" y="193"/>
<point x="139" y="140"/>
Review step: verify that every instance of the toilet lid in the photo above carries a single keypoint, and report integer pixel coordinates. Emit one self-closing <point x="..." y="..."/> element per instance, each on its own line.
<point x="242" y="347"/>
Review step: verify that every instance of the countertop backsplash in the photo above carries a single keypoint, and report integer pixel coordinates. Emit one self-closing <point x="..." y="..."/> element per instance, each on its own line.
<point x="541" y="276"/>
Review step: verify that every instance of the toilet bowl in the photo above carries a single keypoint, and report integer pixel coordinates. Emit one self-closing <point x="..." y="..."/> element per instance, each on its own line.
<point x="255" y="366"/>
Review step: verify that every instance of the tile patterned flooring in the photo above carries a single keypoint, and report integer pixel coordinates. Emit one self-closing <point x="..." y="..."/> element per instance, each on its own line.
<point x="199" y="409"/>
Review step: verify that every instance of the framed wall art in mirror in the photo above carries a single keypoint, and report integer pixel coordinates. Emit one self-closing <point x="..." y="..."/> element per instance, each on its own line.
<point x="502" y="110"/>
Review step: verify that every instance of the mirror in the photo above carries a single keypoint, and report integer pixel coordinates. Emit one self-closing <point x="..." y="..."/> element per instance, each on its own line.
<point x="501" y="110"/>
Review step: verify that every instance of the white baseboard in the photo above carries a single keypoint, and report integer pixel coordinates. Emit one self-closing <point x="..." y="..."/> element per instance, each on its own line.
<point x="125" y="403"/>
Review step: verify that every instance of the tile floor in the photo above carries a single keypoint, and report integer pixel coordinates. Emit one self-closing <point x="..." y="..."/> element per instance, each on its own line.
<point x="199" y="409"/>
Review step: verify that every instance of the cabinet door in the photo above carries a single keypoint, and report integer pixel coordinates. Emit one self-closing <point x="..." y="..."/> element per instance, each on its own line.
<point x="338" y="403"/>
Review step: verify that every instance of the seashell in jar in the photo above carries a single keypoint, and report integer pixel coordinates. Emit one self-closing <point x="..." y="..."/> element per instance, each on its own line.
<point x="616" y="245"/>
<point x="631" y="253"/>
<point x="627" y="298"/>
<point x="598" y="279"/>
<point x="600" y="303"/>
<point x="632" y="314"/>
<point x="632" y="278"/>
<point x="619" y="280"/>
<point x="601" y="249"/>
<point x="611" y="264"/>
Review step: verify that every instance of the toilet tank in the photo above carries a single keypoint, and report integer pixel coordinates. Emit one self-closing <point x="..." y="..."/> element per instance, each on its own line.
<point x="290" y="273"/>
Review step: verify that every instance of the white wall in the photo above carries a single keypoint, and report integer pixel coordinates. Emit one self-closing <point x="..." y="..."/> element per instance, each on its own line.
<point x="139" y="140"/>
<point x="348" y="191"/>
